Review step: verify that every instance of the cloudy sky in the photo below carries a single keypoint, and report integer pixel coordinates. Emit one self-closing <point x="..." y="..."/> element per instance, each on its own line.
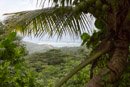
<point x="7" y="6"/>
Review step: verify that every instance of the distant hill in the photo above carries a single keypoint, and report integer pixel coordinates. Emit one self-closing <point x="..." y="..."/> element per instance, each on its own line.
<point x="40" y="48"/>
<point x="33" y="47"/>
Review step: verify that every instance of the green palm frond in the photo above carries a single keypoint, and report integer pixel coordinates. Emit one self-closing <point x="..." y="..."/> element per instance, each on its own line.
<point x="52" y="20"/>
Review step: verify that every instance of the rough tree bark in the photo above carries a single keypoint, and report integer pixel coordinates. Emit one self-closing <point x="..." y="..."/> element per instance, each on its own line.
<point x="120" y="39"/>
<point x="117" y="63"/>
<point x="119" y="59"/>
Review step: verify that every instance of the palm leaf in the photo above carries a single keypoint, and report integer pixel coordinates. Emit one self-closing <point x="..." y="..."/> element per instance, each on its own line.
<point x="57" y="2"/>
<point x="52" y="20"/>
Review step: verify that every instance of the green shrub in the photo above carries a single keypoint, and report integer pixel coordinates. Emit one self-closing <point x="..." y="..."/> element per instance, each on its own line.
<point x="13" y="71"/>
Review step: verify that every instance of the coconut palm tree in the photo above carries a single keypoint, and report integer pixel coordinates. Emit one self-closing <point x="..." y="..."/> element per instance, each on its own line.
<point x="70" y="16"/>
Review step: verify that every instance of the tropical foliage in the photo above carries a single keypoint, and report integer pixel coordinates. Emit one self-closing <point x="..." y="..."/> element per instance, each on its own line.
<point x="70" y="16"/>
<point x="50" y="66"/>
<point x="13" y="71"/>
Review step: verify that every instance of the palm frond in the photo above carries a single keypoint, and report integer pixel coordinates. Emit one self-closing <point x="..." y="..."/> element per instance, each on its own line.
<point x="57" y="2"/>
<point x="51" y="20"/>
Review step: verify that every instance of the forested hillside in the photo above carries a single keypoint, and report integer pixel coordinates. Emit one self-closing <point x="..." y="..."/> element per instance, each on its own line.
<point x="50" y="66"/>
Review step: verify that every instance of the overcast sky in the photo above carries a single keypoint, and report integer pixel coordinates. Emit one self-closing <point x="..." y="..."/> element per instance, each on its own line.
<point x="7" y="6"/>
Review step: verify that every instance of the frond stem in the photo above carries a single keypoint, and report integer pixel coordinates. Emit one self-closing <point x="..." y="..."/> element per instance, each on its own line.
<point x="94" y="56"/>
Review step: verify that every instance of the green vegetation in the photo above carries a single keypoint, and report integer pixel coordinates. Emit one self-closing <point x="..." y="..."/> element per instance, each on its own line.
<point x="17" y="69"/>
<point x="109" y="57"/>
<point x="50" y="66"/>
<point x="13" y="71"/>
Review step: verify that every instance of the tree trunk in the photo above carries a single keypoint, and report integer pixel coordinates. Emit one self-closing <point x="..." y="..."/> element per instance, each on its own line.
<point x="117" y="63"/>
<point x="119" y="59"/>
<point x="116" y="20"/>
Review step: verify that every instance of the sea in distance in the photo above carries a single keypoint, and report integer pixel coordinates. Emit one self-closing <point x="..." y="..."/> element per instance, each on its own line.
<point x="64" y="41"/>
